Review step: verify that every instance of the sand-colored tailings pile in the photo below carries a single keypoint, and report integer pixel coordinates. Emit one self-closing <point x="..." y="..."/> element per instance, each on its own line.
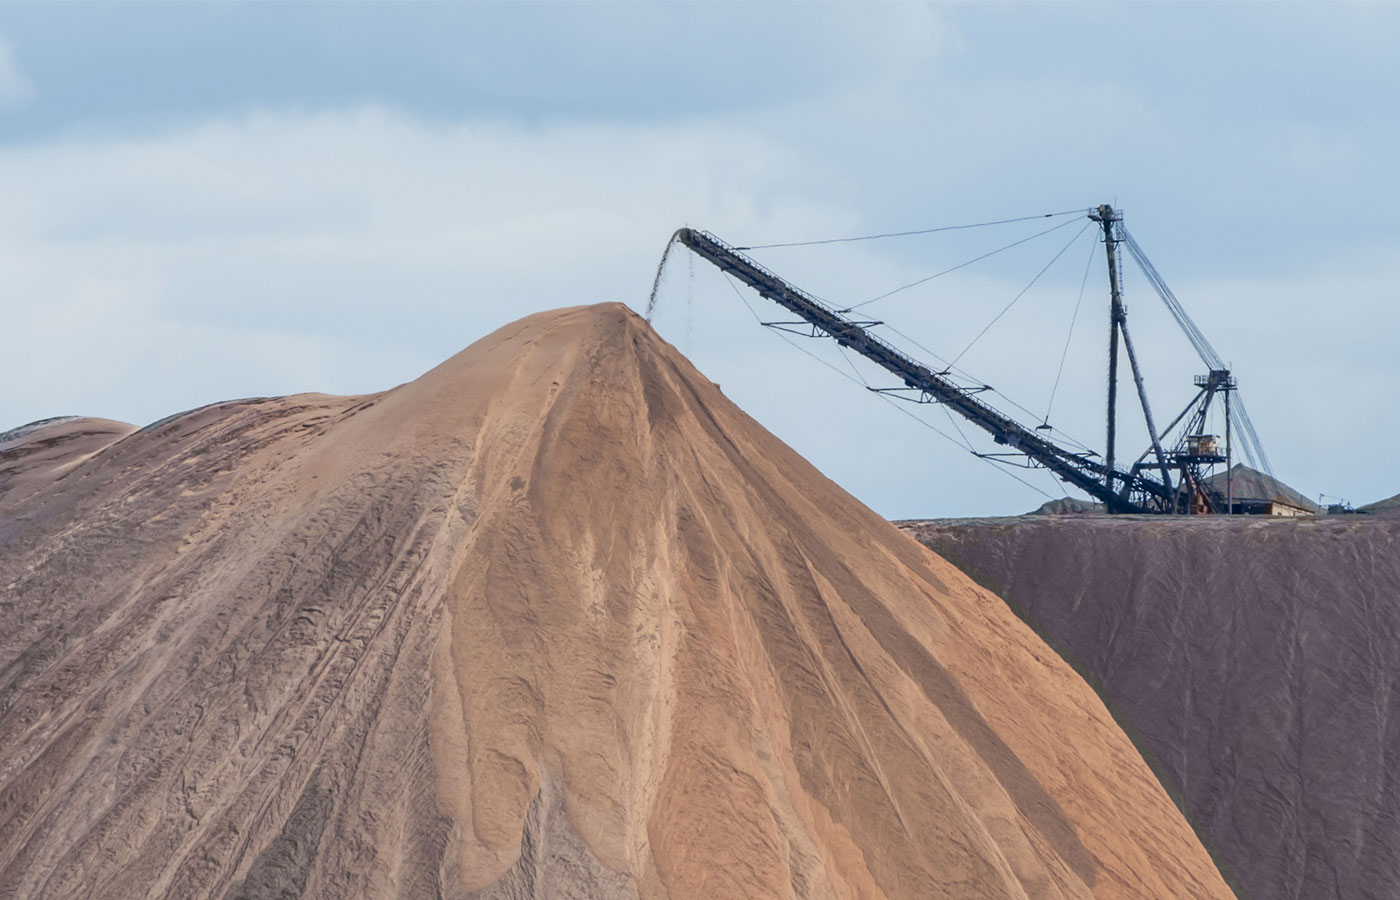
<point x="1258" y="659"/>
<point x="34" y="456"/>
<point x="554" y="620"/>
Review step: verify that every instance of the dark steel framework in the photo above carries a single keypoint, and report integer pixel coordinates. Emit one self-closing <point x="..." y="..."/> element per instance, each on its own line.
<point x="1142" y="488"/>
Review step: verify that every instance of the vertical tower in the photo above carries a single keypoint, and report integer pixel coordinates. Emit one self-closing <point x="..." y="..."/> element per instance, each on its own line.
<point x="1107" y="216"/>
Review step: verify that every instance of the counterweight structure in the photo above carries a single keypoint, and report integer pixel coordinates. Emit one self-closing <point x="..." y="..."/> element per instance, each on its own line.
<point x="1143" y="487"/>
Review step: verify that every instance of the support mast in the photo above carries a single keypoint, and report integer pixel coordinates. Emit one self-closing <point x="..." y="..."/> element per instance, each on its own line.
<point x="1106" y="217"/>
<point x="1118" y="323"/>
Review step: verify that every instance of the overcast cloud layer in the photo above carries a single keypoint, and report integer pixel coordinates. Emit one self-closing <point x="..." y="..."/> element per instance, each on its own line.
<point x="219" y="201"/>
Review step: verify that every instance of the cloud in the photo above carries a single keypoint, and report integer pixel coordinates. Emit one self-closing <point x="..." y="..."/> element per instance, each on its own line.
<point x="123" y="68"/>
<point x="15" y="89"/>
<point x="189" y="262"/>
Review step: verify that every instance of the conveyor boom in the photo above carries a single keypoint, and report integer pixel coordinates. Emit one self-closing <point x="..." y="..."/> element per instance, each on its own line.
<point x="1074" y="468"/>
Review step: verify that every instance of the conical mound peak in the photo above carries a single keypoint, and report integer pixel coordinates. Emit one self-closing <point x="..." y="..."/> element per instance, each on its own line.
<point x="555" y="619"/>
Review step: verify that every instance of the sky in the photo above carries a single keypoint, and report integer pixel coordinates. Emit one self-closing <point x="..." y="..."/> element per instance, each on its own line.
<point x="205" y="201"/>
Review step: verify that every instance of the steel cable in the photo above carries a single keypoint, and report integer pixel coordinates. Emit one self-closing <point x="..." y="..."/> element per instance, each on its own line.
<point x="894" y="234"/>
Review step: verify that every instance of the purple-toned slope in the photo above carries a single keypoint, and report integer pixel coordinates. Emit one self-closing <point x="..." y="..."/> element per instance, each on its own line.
<point x="1257" y="660"/>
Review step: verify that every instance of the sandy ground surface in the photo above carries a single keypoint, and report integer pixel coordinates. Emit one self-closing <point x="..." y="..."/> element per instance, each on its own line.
<point x="554" y="620"/>
<point x="1258" y="660"/>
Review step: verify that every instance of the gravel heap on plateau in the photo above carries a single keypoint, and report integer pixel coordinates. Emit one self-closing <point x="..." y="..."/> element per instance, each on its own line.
<point x="1258" y="661"/>
<point x="1388" y="507"/>
<point x="554" y="620"/>
<point x="1251" y="484"/>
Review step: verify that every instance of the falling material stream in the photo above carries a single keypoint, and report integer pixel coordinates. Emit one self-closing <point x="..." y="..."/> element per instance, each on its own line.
<point x="656" y="282"/>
